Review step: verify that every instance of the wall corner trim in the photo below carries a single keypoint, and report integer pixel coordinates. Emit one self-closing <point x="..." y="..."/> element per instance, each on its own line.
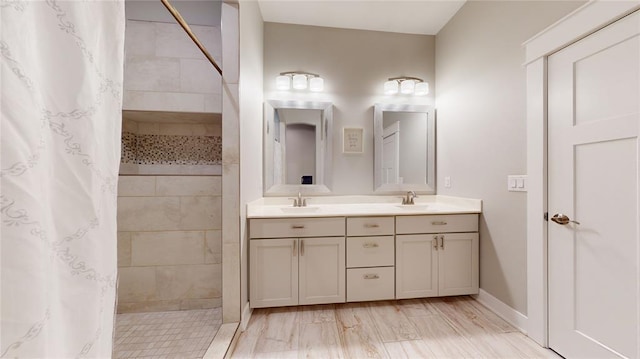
<point x="504" y="311"/>
<point x="246" y="316"/>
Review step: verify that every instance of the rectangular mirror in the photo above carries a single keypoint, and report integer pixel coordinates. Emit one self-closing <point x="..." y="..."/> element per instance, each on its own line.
<point x="297" y="147"/>
<point x="404" y="148"/>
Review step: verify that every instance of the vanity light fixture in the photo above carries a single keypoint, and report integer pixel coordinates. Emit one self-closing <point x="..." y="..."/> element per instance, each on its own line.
<point x="406" y="85"/>
<point x="299" y="81"/>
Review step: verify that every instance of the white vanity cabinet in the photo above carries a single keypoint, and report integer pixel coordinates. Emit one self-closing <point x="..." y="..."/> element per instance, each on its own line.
<point x="370" y="259"/>
<point x="296" y="261"/>
<point x="436" y="255"/>
<point x="361" y="254"/>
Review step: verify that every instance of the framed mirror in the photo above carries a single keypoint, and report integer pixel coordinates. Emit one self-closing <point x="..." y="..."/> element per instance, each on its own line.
<point x="404" y="158"/>
<point x="298" y="142"/>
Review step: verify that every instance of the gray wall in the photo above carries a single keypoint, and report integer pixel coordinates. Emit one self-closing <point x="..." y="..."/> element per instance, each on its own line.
<point x="354" y="65"/>
<point x="482" y="130"/>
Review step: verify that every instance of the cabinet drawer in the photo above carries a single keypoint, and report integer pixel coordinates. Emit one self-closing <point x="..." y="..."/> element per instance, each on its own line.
<point x="437" y="223"/>
<point x="370" y="251"/>
<point x="375" y="283"/>
<point x="369" y="226"/>
<point x="296" y="227"/>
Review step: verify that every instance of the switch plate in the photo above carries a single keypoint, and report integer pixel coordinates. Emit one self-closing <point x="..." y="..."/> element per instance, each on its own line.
<point x="517" y="183"/>
<point x="447" y="182"/>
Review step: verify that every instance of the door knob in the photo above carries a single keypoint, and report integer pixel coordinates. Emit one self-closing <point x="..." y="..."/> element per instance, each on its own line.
<point x="562" y="219"/>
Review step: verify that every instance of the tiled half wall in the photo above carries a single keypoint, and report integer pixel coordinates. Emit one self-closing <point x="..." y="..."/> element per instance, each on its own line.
<point x="169" y="243"/>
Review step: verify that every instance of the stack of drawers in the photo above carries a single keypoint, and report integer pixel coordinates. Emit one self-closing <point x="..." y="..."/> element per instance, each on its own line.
<point x="370" y="258"/>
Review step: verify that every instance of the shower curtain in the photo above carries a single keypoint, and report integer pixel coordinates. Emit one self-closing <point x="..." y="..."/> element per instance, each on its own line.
<point x="61" y="93"/>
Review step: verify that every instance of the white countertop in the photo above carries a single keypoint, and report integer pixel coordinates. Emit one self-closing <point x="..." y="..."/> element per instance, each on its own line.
<point x="338" y="206"/>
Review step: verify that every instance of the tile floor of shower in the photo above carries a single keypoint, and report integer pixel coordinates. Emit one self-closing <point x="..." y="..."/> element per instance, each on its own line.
<point x="176" y="334"/>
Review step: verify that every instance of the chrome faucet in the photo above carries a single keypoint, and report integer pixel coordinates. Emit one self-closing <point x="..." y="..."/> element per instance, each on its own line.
<point x="299" y="201"/>
<point x="409" y="198"/>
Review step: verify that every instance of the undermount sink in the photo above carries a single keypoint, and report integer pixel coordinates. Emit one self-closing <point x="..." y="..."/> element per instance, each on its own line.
<point x="415" y="207"/>
<point x="299" y="209"/>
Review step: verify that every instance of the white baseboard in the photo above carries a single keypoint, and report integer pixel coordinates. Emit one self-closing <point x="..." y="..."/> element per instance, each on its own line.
<point x="504" y="311"/>
<point x="246" y="315"/>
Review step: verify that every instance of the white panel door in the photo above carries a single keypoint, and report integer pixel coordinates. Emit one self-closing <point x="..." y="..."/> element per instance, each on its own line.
<point x="458" y="272"/>
<point x="594" y="269"/>
<point x="416" y="266"/>
<point x="274" y="272"/>
<point x="391" y="154"/>
<point x="322" y="270"/>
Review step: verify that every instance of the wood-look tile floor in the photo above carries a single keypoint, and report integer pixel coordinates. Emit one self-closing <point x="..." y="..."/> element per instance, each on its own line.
<point x="453" y="327"/>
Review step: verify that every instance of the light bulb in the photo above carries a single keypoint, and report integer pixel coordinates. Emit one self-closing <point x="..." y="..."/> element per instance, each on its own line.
<point x="422" y="88"/>
<point x="316" y="84"/>
<point x="300" y="82"/>
<point x="283" y="82"/>
<point x="407" y="86"/>
<point x="391" y="87"/>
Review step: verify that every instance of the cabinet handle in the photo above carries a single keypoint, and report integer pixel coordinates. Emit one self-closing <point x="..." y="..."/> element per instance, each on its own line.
<point x="435" y="242"/>
<point x="369" y="225"/>
<point x="302" y="247"/>
<point x="297" y="226"/>
<point x="295" y="247"/>
<point x="439" y="223"/>
<point x="370" y="245"/>
<point x="442" y="242"/>
<point x="371" y="276"/>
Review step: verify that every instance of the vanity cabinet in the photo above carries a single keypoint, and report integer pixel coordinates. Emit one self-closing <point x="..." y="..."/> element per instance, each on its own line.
<point x="437" y="255"/>
<point x="297" y="261"/>
<point x="302" y="260"/>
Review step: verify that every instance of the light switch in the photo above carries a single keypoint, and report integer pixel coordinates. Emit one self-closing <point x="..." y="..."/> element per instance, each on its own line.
<point x="517" y="183"/>
<point x="447" y="182"/>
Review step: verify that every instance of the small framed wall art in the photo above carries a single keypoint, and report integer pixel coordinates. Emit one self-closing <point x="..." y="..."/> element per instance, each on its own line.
<point x="352" y="140"/>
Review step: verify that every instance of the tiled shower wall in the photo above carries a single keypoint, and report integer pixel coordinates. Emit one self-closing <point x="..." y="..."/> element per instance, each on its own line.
<point x="165" y="71"/>
<point x="169" y="243"/>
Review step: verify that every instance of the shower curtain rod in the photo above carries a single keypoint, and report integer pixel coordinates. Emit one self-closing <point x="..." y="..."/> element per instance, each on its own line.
<point x="193" y="37"/>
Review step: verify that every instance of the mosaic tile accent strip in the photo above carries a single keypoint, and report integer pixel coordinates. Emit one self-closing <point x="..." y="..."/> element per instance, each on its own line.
<point x="129" y="145"/>
<point x="179" y="334"/>
<point x="171" y="150"/>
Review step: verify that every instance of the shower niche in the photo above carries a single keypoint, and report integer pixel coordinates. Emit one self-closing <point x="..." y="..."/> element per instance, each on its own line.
<point x="171" y="143"/>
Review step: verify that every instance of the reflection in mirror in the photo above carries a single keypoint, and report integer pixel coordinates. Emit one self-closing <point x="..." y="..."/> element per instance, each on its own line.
<point x="404" y="148"/>
<point x="297" y="147"/>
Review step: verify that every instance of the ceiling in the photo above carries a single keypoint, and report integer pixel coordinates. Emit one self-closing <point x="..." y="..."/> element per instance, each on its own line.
<point x="195" y="12"/>
<point x="425" y="17"/>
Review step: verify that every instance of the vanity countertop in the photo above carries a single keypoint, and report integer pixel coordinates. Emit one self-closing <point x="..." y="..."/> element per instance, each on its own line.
<point x="337" y="206"/>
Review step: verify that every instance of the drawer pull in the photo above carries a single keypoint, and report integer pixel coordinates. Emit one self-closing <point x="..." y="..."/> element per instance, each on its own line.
<point x="302" y="247"/>
<point x="297" y="226"/>
<point x="371" y="276"/>
<point x="435" y="242"/>
<point x="370" y="245"/>
<point x="439" y="223"/>
<point x="369" y="225"/>
<point x="442" y="242"/>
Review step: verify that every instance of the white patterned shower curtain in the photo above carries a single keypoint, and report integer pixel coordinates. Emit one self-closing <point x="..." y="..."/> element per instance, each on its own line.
<point x="61" y="94"/>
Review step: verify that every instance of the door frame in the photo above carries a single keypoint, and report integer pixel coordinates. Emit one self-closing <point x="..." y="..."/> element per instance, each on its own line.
<point x="582" y="22"/>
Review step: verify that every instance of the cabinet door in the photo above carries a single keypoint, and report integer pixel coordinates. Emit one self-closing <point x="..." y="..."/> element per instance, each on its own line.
<point x="458" y="264"/>
<point x="416" y="266"/>
<point x="274" y="272"/>
<point x="322" y="270"/>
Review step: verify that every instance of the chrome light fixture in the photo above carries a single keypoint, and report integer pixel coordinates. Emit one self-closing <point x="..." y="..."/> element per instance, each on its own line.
<point x="406" y="85"/>
<point x="299" y="81"/>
